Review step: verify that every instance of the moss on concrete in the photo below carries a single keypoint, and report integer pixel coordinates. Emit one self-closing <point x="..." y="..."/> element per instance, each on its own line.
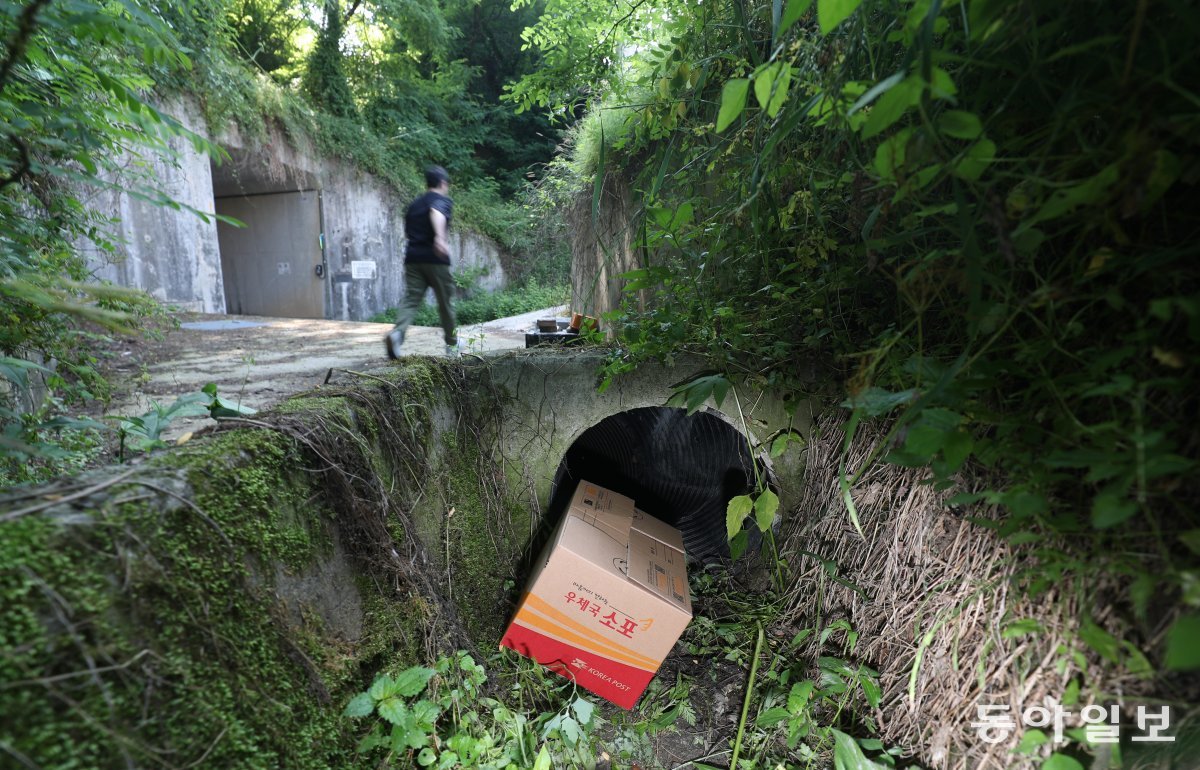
<point x="142" y="623"/>
<point x="142" y="629"/>
<point x="148" y="631"/>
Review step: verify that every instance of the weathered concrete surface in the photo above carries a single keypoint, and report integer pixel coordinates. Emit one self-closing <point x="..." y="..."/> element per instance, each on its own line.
<point x="602" y="247"/>
<point x="174" y="254"/>
<point x="367" y="523"/>
<point x="262" y="360"/>
<point x="171" y="254"/>
<point x="554" y="399"/>
<point x="327" y="589"/>
<point x="499" y="426"/>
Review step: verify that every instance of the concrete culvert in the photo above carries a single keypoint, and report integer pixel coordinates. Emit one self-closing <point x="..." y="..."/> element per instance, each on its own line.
<point x="680" y="468"/>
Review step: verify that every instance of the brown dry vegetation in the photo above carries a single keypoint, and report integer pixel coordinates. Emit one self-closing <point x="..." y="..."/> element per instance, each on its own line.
<point x="937" y="593"/>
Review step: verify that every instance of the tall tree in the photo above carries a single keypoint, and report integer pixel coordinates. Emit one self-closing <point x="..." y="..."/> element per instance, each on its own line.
<point x="325" y="78"/>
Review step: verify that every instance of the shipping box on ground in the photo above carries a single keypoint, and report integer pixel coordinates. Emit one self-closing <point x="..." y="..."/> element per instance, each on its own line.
<point x="608" y="598"/>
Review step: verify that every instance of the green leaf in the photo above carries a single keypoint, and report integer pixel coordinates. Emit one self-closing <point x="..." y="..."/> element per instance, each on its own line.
<point x="383" y="687"/>
<point x="764" y="79"/>
<point x="792" y="13"/>
<point x="976" y="160"/>
<point x="425" y="714"/>
<point x="764" y="509"/>
<point x="583" y="711"/>
<point x="464" y="745"/>
<point x="782" y="83"/>
<point x="1183" y="644"/>
<point x="733" y="101"/>
<point x="427" y="757"/>
<point x="735" y="513"/>
<point x="219" y="408"/>
<point x="877" y="90"/>
<point x="694" y="393"/>
<point x="956" y="448"/>
<point x="797" y="699"/>
<point x="543" y="759"/>
<point x="890" y="155"/>
<point x="1025" y="503"/>
<point x="874" y="401"/>
<point x="413" y="680"/>
<point x="873" y="694"/>
<point x="371" y="740"/>
<point x="960" y="124"/>
<point x="892" y="106"/>
<point x="923" y="440"/>
<point x="1104" y="643"/>
<point x="1085" y="193"/>
<point x="738" y="544"/>
<point x="1141" y="591"/>
<point x="942" y="86"/>
<point x="847" y="755"/>
<point x="360" y="705"/>
<point x="831" y="13"/>
<point x="1135" y="661"/>
<point x="394" y="711"/>
<point x="1110" y="509"/>
<point x="1030" y="740"/>
<point x="772" y="717"/>
<point x="1021" y="628"/>
<point x="1058" y="761"/>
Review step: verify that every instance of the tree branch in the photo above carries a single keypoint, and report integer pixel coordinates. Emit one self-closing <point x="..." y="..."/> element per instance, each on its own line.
<point x="16" y="49"/>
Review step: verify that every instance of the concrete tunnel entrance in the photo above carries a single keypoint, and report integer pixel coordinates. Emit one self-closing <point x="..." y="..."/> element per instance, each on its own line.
<point x="275" y="264"/>
<point x="680" y="468"/>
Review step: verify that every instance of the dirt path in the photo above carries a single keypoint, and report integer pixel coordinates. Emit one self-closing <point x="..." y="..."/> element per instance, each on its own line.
<point x="258" y="361"/>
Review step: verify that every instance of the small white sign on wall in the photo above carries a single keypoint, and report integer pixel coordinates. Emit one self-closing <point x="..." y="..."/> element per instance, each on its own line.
<point x="362" y="269"/>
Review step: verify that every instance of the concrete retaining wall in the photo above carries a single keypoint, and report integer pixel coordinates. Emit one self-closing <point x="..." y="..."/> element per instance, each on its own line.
<point x="553" y="400"/>
<point x="171" y="254"/>
<point x="602" y="247"/>
<point x="361" y="526"/>
<point x="174" y="254"/>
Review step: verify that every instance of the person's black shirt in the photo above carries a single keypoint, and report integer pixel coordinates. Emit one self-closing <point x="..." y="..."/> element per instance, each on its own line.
<point x="419" y="228"/>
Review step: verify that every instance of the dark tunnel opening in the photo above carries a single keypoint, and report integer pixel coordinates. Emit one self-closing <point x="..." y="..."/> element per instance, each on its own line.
<point x="680" y="468"/>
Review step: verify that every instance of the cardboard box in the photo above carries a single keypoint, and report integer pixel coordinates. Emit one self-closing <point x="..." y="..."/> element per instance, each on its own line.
<point x="608" y="599"/>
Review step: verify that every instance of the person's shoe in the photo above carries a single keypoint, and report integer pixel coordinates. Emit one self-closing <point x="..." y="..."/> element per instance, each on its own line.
<point x="392" y="342"/>
<point x="453" y="351"/>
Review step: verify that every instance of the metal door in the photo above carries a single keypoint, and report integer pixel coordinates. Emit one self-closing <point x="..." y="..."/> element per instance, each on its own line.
<point x="273" y="266"/>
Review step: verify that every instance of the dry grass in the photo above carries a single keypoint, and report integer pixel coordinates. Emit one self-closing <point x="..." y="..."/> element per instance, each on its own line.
<point x="936" y="593"/>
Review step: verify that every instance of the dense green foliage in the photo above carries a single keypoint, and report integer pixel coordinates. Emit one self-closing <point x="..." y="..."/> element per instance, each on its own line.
<point x="73" y="114"/>
<point x="391" y="85"/>
<point x="451" y="722"/>
<point x="425" y="79"/>
<point x="981" y="215"/>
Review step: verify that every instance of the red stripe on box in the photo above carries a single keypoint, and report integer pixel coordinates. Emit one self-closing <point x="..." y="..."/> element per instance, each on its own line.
<point x="613" y="681"/>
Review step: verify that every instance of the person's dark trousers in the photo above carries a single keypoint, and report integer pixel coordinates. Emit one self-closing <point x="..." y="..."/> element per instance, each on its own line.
<point x="419" y="276"/>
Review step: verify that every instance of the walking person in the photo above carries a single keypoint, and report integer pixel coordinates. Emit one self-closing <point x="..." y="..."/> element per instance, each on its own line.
<point x="427" y="261"/>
